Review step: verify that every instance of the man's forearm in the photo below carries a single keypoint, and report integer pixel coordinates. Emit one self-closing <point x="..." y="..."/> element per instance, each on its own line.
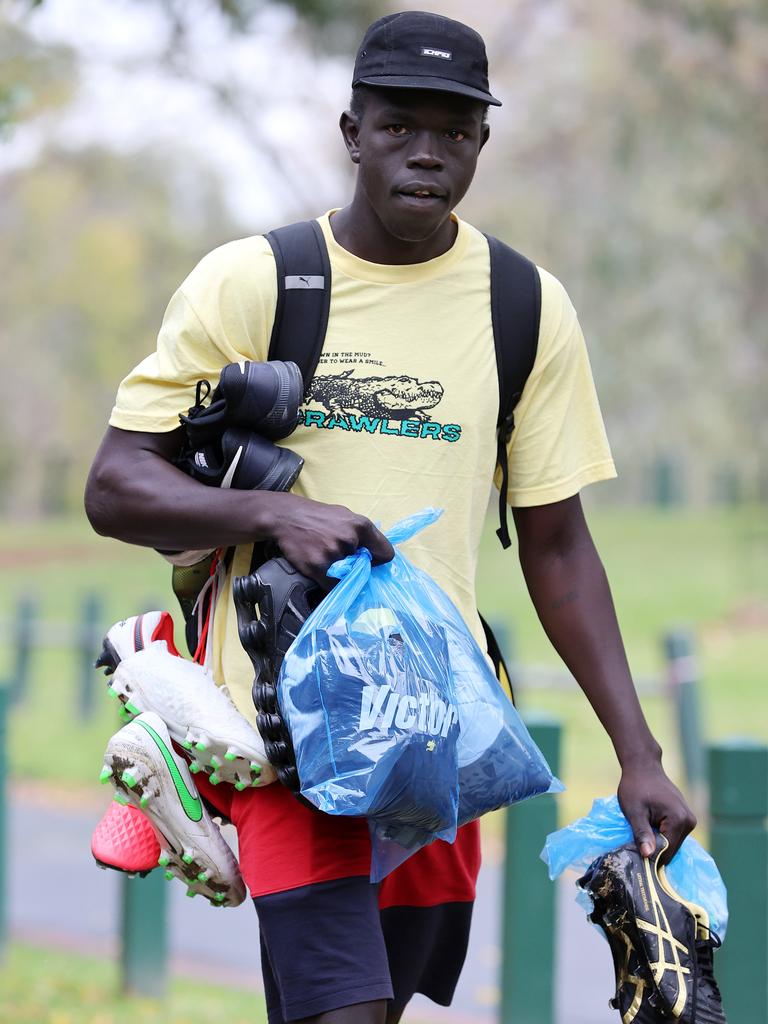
<point x="570" y="592"/>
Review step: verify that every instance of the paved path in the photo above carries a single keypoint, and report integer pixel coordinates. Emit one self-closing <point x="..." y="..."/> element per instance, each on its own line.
<point x="57" y="895"/>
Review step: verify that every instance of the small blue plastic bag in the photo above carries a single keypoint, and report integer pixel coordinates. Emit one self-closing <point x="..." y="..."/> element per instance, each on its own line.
<point x="367" y="692"/>
<point x="692" y="871"/>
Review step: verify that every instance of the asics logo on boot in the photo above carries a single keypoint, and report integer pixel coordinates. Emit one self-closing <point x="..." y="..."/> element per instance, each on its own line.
<point x="193" y="807"/>
<point x="424" y="713"/>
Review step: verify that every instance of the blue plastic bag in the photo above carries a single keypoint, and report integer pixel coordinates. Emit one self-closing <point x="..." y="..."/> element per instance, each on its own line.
<point x="367" y="693"/>
<point x="692" y="871"/>
<point x="395" y="712"/>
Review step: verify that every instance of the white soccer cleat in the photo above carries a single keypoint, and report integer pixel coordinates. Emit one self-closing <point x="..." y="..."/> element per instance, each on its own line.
<point x="200" y="715"/>
<point x="147" y="773"/>
<point x="134" y="634"/>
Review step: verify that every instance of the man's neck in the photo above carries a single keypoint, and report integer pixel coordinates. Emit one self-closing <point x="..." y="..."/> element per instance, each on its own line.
<point x="358" y="230"/>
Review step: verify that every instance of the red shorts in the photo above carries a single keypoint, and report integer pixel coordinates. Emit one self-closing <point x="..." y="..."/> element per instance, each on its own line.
<point x="284" y="845"/>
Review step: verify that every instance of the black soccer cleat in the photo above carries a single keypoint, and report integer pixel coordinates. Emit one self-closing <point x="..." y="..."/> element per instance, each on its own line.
<point x="244" y="461"/>
<point x="264" y="397"/>
<point x="661" y="944"/>
<point x="272" y="604"/>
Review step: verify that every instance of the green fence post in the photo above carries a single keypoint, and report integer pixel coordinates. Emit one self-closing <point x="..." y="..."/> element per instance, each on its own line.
<point x="738" y="774"/>
<point x="23" y="629"/>
<point x="4" y="702"/>
<point x="89" y="642"/>
<point x="144" y="931"/>
<point x="683" y="677"/>
<point x="528" y="924"/>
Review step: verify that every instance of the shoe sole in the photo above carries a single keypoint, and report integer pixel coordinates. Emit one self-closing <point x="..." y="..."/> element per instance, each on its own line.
<point x="219" y="759"/>
<point x="290" y="392"/>
<point x="136" y="766"/>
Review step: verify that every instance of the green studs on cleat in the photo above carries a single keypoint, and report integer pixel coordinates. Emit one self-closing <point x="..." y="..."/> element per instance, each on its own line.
<point x="131" y="708"/>
<point x="201" y="746"/>
<point x="215" y="761"/>
<point x="163" y="860"/>
<point x="214" y="779"/>
<point x="255" y="768"/>
<point x="204" y="876"/>
<point x="240" y="785"/>
<point x="186" y="744"/>
<point x="106" y="775"/>
<point x="191" y="892"/>
<point x="124" y="715"/>
<point x="195" y="767"/>
<point x="230" y="756"/>
<point x="121" y="798"/>
<point x="220" y="897"/>
<point x="188" y="858"/>
<point x="112" y="692"/>
<point x="128" y="779"/>
<point x="169" y="876"/>
<point x="144" y="802"/>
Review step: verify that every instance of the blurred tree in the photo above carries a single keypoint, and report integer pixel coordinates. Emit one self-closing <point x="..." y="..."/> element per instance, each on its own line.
<point x="95" y="243"/>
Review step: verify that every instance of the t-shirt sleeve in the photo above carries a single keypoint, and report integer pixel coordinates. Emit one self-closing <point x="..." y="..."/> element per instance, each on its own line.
<point x="221" y="314"/>
<point x="559" y="444"/>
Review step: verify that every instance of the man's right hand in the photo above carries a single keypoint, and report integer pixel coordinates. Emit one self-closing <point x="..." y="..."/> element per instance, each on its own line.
<point x="136" y="495"/>
<point x="313" y="535"/>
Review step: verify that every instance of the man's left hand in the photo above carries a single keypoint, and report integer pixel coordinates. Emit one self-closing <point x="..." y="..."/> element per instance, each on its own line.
<point x="651" y="801"/>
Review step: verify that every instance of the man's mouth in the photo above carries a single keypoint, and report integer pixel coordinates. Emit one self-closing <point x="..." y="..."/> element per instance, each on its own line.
<point x="422" y="191"/>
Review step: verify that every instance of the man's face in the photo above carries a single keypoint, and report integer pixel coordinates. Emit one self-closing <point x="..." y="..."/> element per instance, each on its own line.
<point x="417" y="152"/>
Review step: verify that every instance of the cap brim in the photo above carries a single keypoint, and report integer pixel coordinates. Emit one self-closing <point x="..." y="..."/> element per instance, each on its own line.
<point x="431" y="84"/>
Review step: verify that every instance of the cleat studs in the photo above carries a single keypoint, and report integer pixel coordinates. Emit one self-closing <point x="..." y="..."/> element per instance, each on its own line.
<point x="216" y="761"/>
<point x="255" y="783"/>
<point x="163" y="860"/>
<point x="195" y="767"/>
<point x="168" y="876"/>
<point x="106" y="774"/>
<point x="220" y="897"/>
<point x="230" y="755"/>
<point x="131" y="708"/>
<point x="125" y="716"/>
<point x="240" y="785"/>
<point x="186" y="744"/>
<point x="144" y="802"/>
<point x="128" y="778"/>
<point x="214" y="779"/>
<point x="187" y="857"/>
<point x="191" y="892"/>
<point x="112" y="692"/>
<point x="201" y="746"/>
<point x="204" y="876"/>
<point x="121" y="798"/>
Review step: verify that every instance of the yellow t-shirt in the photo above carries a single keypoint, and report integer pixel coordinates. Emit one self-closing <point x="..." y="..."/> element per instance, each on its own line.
<point x="402" y="409"/>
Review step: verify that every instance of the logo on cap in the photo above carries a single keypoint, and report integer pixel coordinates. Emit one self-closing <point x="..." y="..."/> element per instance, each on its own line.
<point x="427" y="51"/>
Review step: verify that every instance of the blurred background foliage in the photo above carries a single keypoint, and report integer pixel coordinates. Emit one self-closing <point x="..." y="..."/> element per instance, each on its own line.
<point x="629" y="159"/>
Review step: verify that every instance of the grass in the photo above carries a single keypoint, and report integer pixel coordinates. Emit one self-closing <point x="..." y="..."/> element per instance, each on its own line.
<point x="706" y="569"/>
<point x="45" y="986"/>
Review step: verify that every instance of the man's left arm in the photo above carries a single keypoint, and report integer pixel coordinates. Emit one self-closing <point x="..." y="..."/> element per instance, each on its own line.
<point x="569" y="589"/>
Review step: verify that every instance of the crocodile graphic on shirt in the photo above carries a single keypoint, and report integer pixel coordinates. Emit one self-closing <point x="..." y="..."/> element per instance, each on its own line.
<point x="396" y="398"/>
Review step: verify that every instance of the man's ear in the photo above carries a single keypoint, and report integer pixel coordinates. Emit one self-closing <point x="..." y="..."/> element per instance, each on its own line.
<point x="485" y="134"/>
<point x="349" y="124"/>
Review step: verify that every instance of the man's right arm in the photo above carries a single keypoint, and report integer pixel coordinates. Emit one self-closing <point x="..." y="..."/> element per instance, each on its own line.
<point x="136" y="495"/>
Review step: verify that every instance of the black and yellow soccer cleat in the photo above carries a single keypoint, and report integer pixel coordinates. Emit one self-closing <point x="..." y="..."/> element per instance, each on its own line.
<point x="661" y="944"/>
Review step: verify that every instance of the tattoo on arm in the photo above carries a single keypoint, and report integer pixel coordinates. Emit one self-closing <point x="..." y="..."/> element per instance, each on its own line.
<point x="569" y="598"/>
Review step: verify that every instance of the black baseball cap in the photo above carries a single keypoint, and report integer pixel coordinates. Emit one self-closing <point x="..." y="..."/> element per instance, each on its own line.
<point x="417" y="50"/>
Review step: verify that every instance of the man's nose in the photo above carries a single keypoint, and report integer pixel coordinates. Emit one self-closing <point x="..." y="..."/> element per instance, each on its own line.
<point x="425" y="152"/>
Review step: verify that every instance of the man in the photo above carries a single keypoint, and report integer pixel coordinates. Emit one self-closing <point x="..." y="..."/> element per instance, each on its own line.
<point x="410" y="304"/>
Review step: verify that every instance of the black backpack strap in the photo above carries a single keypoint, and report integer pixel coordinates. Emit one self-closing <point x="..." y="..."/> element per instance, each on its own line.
<point x="303" y="295"/>
<point x="500" y="666"/>
<point x="515" y="314"/>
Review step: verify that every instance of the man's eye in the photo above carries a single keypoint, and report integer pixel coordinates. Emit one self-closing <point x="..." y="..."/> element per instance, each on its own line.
<point x="396" y="129"/>
<point x="455" y="135"/>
